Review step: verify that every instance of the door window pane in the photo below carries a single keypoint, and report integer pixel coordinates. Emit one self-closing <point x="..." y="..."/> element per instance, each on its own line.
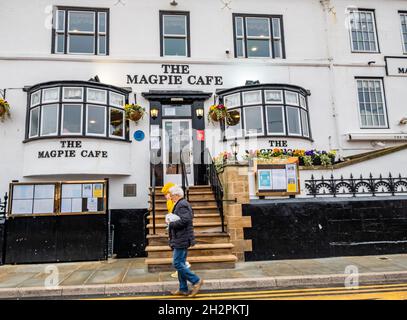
<point x="73" y="94"/>
<point x="175" y="25"/>
<point x="96" y="120"/>
<point x="81" y="44"/>
<point x="116" y="123"/>
<point x="293" y="121"/>
<point x="258" y="48"/>
<point x="72" y="119"/>
<point x="95" y="95"/>
<point x="49" y="121"/>
<point x="252" y="97"/>
<point x="275" y="120"/>
<point x="50" y="95"/>
<point x="177" y="139"/>
<point x="274" y="96"/>
<point x="34" y="122"/>
<point x="81" y="21"/>
<point x="253" y="120"/>
<point x="175" y="47"/>
<point x="258" y="27"/>
<point x="116" y="99"/>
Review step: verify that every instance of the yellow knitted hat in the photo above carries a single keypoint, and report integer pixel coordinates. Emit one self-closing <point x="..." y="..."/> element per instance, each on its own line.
<point x="167" y="187"/>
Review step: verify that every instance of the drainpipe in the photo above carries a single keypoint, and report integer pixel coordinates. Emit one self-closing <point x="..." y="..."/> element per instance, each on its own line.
<point x="337" y="143"/>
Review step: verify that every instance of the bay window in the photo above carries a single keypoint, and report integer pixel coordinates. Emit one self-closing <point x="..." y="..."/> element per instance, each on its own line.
<point x="267" y="110"/>
<point x="77" y="109"/>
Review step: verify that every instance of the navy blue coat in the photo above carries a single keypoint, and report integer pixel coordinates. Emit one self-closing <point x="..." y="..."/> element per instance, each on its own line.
<point x="181" y="232"/>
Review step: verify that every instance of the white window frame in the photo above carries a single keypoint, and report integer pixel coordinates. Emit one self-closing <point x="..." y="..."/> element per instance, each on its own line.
<point x="175" y="36"/>
<point x="297" y="103"/>
<point x="71" y="100"/>
<point x="95" y="101"/>
<point x="231" y="95"/>
<point x="303" y="111"/>
<point x="38" y="122"/>
<point x="50" y="101"/>
<point x="42" y="120"/>
<point x="351" y="13"/>
<point x="89" y="33"/>
<point x="242" y="37"/>
<point x="267" y="121"/>
<point x="116" y="105"/>
<point x="403" y="15"/>
<point x="274" y="102"/>
<point x="299" y="122"/>
<point x="246" y="133"/>
<point x="124" y="124"/>
<point x="102" y="33"/>
<point x="386" y="124"/>
<point x="252" y="103"/>
<point x="59" y="32"/>
<point x="31" y="98"/>
<point x="259" y="37"/>
<point x="303" y="102"/>
<point x="87" y="120"/>
<point x="277" y="38"/>
<point x="62" y="120"/>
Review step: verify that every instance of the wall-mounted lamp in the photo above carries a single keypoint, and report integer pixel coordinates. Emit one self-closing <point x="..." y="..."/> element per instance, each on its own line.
<point x="199" y="113"/>
<point x="235" y="149"/>
<point x="154" y="113"/>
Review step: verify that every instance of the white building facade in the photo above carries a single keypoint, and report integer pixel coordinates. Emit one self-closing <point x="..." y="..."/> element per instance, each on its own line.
<point x="325" y="75"/>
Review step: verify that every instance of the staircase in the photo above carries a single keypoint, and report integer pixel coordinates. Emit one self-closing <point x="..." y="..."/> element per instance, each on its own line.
<point x="213" y="249"/>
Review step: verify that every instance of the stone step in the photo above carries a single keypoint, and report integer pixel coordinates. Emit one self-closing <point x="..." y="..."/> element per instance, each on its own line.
<point x="162" y="204"/>
<point x="191" y="197"/>
<point x="197" y="263"/>
<point x="196" y="209"/>
<point x="202" y="217"/>
<point x="200" y="238"/>
<point x="213" y="249"/>
<point x="203" y="227"/>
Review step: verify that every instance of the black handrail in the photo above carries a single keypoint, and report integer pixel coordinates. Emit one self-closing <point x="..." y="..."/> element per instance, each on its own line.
<point x="153" y="182"/>
<point x="184" y="177"/>
<point x="214" y="181"/>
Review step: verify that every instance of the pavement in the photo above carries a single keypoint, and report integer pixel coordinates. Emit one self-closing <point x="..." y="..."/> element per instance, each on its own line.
<point x="130" y="276"/>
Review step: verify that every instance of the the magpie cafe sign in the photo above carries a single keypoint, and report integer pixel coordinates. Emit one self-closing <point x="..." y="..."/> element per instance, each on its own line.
<point x="396" y="66"/>
<point x="71" y="149"/>
<point x="175" y="74"/>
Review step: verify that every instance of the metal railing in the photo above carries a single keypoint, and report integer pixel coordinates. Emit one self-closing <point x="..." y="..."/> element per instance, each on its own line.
<point x="356" y="186"/>
<point x="184" y="177"/>
<point x="153" y="185"/>
<point x="214" y="181"/>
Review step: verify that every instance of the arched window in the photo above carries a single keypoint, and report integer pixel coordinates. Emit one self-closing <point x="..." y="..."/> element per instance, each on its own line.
<point x="76" y="109"/>
<point x="270" y="110"/>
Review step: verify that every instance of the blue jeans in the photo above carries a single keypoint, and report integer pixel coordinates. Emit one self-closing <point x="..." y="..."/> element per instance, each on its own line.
<point x="184" y="273"/>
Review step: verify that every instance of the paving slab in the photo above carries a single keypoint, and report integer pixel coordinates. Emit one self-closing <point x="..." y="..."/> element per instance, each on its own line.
<point x="114" y="275"/>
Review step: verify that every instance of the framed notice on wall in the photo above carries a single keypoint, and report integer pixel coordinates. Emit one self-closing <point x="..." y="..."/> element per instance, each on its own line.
<point x="57" y="198"/>
<point x="277" y="177"/>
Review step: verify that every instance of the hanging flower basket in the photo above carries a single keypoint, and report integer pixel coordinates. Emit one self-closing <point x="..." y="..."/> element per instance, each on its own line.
<point x="4" y="110"/>
<point x="217" y="113"/>
<point x="134" y="112"/>
<point x="233" y="118"/>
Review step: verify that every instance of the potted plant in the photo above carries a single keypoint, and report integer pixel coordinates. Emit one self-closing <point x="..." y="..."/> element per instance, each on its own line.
<point x="217" y="113"/>
<point x="134" y="112"/>
<point x="4" y="110"/>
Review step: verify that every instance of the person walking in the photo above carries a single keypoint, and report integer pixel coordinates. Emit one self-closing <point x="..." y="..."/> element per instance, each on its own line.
<point x="181" y="237"/>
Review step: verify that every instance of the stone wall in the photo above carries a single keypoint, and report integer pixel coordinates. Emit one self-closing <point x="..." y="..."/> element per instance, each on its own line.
<point x="236" y="186"/>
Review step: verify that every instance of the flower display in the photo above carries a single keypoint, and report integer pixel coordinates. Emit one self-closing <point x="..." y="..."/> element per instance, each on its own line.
<point x="4" y="109"/>
<point x="217" y="113"/>
<point x="134" y="112"/>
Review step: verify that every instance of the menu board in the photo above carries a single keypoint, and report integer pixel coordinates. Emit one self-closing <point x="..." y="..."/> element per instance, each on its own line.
<point x="279" y="176"/>
<point x="33" y="199"/>
<point x="82" y="197"/>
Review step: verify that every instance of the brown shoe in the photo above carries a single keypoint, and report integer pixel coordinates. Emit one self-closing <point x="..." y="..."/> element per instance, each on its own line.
<point x="196" y="288"/>
<point x="179" y="293"/>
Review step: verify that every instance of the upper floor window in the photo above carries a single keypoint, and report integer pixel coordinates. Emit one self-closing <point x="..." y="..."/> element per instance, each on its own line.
<point x="403" y="18"/>
<point x="80" y="31"/>
<point x="64" y="109"/>
<point x="363" y="31"/>
<point x="258" y="36"/>
<point x="175" y="39"/>
<point x="268" y="110"/>
<point x="372" y="105"/>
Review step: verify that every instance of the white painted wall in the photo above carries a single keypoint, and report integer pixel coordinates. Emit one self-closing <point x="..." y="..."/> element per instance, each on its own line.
<point x="318" y="58"/>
